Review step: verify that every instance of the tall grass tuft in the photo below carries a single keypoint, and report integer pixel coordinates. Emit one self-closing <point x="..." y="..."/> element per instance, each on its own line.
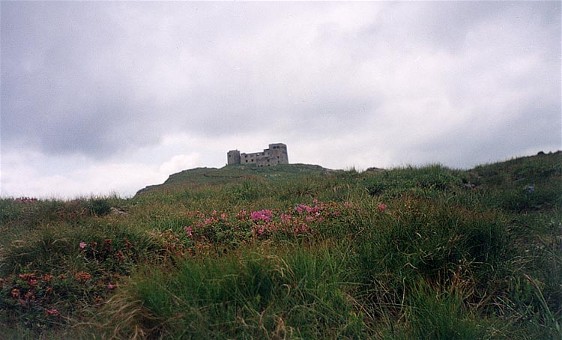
<point x="432" y="314"/>
<point x="297" y="293"/>
<point x="423" y="241"/>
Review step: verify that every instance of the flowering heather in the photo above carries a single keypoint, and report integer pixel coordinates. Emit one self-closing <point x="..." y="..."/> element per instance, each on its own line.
<point x="242" y="215"/>
<point x="188" y="231"/>
<point x="262" y="224"/>
<point x="52" y="312"/>
<point x="259" y="230"/>
<point x="286" y="218"/>
<point x="261" y="215"/>
<point x="82" y="277"/>
<point x="303" y="208"/>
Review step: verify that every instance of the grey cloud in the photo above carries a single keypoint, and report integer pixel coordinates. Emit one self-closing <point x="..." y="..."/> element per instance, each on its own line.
<point x="100" y="78"/>
<point x="78" y="79"/>
<point x="476" y="141"/>
<point x="49" y="96"/>
<point x="446" y="25"/>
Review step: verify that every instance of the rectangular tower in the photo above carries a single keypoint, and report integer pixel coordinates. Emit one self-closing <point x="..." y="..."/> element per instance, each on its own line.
<point x="233" y="157"/>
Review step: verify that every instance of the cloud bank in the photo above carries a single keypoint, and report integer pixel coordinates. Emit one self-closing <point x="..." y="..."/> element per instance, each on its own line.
<point x="112" y="96"/>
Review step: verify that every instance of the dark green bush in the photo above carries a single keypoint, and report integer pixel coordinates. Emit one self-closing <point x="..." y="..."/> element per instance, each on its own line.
<point x="11" y="211"/>
<point x="524" y="200"/>
<point x="99" y="207"/>
<point x="397" y="181"/>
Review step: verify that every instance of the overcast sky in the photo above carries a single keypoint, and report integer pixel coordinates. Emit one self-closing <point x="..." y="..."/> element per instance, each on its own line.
<point x="101" y="97"/>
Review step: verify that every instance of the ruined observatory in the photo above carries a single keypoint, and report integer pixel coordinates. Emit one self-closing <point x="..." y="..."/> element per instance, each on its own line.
<point x="275" y="154"/>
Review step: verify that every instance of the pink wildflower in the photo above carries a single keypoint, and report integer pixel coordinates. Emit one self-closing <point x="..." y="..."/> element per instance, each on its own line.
<point x="83" y="245"/>
<point x="301" y="229"/>
<point x="52" y="312"/>
<point x="286" y="218"/>
<point x="111" y="286"/>
<point x="188" y="231"/>
<point x="242" y="215"/>
<point x="260" y="230"/>
<point x="308" y="209"/>
<point x="382" y="207"/>
<point x="261" y="215"/>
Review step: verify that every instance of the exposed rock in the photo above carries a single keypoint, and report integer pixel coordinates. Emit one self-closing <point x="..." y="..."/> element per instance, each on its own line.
<point x="117" y="211"/>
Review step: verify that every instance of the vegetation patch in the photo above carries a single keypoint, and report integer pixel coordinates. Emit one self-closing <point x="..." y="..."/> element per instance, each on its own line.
<point x="293" y="251"/>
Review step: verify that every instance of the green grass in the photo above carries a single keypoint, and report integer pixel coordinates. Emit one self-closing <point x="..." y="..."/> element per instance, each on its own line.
<point x="293" y="251"/>
<point x="249" y="295"/>
<point x="442" y="315"/>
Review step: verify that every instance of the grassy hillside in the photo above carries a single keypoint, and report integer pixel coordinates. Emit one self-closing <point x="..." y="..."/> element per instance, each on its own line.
<point x="294" y="251"/>
<point x="195" y="178"/>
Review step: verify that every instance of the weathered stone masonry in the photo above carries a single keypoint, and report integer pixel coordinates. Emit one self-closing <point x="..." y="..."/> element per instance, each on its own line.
<point x="276" y="154"/>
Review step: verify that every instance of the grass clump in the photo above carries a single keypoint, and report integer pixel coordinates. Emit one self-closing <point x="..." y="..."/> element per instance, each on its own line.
<point x="425" y="180"/>
<point x="250" y="295"/>
<point x="441" y="315"/>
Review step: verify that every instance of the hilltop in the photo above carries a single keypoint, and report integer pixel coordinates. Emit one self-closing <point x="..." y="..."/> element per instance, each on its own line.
<point x="538" y="169"/>
<point x="193" y="178"/>
<point x="294" y="251"/>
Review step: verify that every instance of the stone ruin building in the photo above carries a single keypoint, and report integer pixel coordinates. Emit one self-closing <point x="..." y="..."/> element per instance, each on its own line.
<point x="276" y="154"/>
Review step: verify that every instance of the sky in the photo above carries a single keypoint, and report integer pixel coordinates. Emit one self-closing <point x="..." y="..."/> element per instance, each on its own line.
<point x="102" y="98"/>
